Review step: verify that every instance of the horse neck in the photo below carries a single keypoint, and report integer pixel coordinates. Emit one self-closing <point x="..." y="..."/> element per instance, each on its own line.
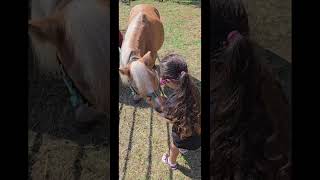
<point x="90" y="42"/>
<point x="135" y="40"/>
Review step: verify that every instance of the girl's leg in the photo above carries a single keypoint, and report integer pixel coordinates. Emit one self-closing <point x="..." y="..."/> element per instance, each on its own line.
<point x="170" y="159"/>
<point x="174" y="152"/>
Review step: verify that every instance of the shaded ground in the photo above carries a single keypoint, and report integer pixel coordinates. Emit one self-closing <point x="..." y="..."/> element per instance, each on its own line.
<point x="270" y="24"/>
<point x="56" y="150"/>
<point x="143" y="135"/>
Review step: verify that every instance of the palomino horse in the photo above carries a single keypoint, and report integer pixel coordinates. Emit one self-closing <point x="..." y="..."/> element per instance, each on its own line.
<point x="143" y="38"/>
<point x="79" y="32"/>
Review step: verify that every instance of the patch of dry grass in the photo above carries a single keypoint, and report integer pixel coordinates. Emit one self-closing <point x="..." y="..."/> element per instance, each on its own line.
<point x="55" y="159"/>
<point x="56" y="149"/>
<point x="94" y="163"/>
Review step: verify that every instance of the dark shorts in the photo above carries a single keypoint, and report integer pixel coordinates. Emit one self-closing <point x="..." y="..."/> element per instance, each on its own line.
<point x="190" y="143"/>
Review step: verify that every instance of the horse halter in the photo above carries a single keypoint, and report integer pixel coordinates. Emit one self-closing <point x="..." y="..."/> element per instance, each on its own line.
<point x="76" y="97"/>
<point x="157" y="93"/>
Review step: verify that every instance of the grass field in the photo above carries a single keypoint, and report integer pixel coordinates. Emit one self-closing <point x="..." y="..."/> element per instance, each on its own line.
<point x="143" y="135"/>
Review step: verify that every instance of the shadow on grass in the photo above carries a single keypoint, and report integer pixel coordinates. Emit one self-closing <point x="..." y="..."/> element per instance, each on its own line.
<point x="121" y="107"/>
<point x="168" y="135"/>
<point x="126" y="97"/>
<point x="50" y="112"/>
<point x="150" y="145"/>
<point x="129" y="144"/>
<point x="193" y="159"/>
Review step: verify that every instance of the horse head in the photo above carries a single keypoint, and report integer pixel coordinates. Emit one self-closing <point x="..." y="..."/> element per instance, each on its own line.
<point x="143" y="78"/>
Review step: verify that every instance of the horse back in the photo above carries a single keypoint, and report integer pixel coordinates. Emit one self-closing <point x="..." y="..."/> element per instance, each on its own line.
<point x="150" y="18"/>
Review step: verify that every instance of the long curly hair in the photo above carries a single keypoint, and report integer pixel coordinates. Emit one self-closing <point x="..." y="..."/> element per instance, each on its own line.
<point x="183" y="105"/>
<point x="239" y="124"/>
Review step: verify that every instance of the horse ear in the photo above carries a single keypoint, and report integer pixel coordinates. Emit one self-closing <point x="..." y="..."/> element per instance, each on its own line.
<point x="125" y="71"/>
<point x="47" y="29"/>
<point x="148" y="59"/>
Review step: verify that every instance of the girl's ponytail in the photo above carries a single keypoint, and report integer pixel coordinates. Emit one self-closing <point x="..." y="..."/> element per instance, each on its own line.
<point x="184" y="80"/>
<point x="238" y="53"/>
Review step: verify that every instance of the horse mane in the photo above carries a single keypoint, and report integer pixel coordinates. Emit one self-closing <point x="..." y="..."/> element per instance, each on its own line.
<point x="128" y="52"/>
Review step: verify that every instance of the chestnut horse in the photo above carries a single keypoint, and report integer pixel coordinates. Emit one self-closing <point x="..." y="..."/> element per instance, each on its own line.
<point x="77" y="33"/>
<point x="143" y="38"/>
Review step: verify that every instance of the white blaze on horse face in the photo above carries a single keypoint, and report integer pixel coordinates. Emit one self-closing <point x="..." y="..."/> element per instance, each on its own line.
<point x="145" y="81"/>
<point x="142" y="78"/>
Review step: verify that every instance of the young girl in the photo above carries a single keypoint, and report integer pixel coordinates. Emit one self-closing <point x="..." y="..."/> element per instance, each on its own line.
<point x="182" y="108"/>
<point x="249" y="138"/>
